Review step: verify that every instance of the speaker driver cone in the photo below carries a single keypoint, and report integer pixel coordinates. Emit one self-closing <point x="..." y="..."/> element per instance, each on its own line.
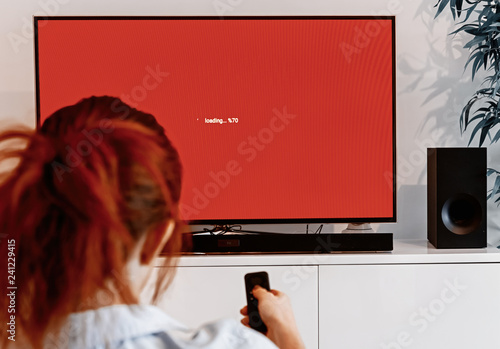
<point x="462" y="214"/>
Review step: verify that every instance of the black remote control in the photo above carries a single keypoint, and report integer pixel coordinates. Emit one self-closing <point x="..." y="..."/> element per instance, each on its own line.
<point x="252" y="279"/>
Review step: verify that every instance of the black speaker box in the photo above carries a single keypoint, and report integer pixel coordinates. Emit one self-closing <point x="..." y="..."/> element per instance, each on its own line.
<point x="456" y="197"/>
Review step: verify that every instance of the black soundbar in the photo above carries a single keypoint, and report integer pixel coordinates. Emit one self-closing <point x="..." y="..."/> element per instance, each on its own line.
<point x="291" y="243"/>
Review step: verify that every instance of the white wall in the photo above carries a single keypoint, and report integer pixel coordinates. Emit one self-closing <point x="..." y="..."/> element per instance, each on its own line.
<point x="431" y="86"/>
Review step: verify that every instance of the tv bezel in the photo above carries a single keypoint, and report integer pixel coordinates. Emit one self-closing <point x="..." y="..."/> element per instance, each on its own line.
<point x="219" y="222"/>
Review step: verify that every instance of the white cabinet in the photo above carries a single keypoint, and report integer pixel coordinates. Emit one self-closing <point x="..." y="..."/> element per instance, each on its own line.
<point x="202" y="294"/>
<point x="410" y="306"/>
<point x="413" y="297"/>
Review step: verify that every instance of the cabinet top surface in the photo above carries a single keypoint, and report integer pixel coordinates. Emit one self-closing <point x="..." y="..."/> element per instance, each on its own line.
<point x="405" y="252"/>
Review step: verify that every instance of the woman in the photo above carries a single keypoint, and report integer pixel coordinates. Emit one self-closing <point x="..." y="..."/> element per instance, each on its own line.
<point x="91" y="203"/>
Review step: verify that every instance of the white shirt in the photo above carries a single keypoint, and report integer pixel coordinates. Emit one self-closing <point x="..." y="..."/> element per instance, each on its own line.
<point x="147" y="326"/>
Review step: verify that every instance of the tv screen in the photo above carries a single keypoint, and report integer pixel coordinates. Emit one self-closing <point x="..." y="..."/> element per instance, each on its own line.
<point x="276" y="119"/>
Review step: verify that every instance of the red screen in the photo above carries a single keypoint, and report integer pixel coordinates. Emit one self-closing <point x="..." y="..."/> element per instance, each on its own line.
<point x="274" y="118"/>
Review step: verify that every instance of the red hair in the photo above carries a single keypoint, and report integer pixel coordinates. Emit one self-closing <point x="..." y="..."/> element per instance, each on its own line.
<point x="94" y="179"/>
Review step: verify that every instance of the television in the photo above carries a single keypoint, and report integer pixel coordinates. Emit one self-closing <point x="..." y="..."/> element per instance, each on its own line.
<point x="277" y="119"/>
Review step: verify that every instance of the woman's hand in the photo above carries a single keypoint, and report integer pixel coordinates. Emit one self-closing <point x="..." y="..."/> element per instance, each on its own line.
<point x="276" y="312"/>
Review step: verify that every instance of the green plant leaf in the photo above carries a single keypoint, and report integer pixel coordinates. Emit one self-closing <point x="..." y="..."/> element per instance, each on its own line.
<point x="496" y="138"/>
<point x="464" y="117"/>
<point x="485" y="109"/>
<point x="458" y="6"/>
<point x="484" y="126"/>
<point x="478" y="127"/>
<point x="490" y="171"/>
<point x="477" y="116"/>
<point x="477" y="64"/>
<point x="497" y="86"/>
<point x="496" y="187"/>
<point x="477" y="58"/>
<point x="490" y="16"/>
<point x="484" y="132"/>
<point x="470" y="11"/>
<point x="442" y="4"/>
<point x="468" y="28"/>
<point x="484" y="91"/>
<point x="478" y="39"/>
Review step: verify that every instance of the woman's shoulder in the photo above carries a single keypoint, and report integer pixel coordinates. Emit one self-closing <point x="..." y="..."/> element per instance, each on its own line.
<point x="227" y="333"/>
<point x="147" y="326"/>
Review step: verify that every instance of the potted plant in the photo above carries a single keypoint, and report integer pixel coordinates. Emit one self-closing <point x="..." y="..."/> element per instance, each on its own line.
<point x="481" y="20"/>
